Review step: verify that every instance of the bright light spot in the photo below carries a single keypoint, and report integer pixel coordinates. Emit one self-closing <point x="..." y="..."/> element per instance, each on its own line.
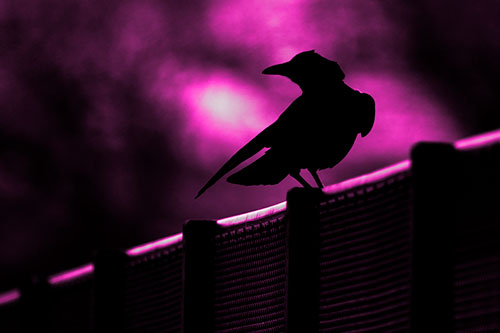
<point x="223" y="112"/>
<point x="225" y="105"/>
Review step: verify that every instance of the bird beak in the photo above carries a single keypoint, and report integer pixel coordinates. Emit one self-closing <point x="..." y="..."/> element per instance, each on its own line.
<point x="281" y="69"/>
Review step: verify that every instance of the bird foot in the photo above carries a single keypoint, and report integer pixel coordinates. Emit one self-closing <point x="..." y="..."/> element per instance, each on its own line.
<point x="316" y="178"/>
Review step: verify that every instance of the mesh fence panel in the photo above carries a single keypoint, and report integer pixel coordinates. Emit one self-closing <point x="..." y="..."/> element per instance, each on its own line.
<point x="249" y="272"/>
<point x="365" y="258"/>
<point x="477" y="253"/>
<point x="477" y="293"/>
<point x="153" y="291"/>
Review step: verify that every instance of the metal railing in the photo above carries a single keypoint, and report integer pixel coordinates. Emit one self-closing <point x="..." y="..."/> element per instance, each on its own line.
<point x="411" y="247"/>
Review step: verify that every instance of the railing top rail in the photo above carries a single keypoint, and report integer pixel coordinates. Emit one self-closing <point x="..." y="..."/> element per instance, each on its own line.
<point x="254" y="215"/>
<point x="372" y="177"/>
<point x="71" y="274"/>
<point x="154" y="245"/>
<point x="9" y="296"/>
<point x="476" y="141"/>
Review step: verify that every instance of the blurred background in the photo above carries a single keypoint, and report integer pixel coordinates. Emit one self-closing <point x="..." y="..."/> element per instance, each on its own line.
<point x="113" y="113"/>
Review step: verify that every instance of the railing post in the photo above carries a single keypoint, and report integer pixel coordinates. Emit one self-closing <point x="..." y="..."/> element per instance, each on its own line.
<point x="434" y="169"/>
<point x="302" y="290"/>
<point x="198" y="244"/>
<point x="109" y="274"/>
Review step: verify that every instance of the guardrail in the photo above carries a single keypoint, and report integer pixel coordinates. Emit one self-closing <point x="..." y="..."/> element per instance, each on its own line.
<point x="411" y="247"/>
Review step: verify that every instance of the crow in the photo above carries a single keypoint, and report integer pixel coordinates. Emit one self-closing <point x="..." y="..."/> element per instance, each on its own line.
<point x="315" y="132"/>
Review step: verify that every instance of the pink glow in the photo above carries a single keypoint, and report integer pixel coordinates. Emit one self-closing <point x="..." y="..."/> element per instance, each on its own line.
<point x="71" y="274"/>
<point x="478" y="140"/>
<point x="407" y="112"/>
<point x="225" y="104"/>
<point x="138" y="27"/>
<point x="368" y="178"/>
<point x="251" y="216"/>
<point x="9" y="296"/>
<point x="155" y="245"/>
<point x="257" y="24"/>
<point x="282" y="28"/>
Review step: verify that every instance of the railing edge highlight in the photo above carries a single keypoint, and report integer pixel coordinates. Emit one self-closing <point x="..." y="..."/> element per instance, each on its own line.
<point x="9" y="296"/>
<point x="71" y="274"/>
<point x="480" y="140"/>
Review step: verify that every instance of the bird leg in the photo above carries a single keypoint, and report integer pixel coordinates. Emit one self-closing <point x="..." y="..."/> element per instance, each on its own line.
<point x="301" y="180"/>
<point x="316" y="178"/>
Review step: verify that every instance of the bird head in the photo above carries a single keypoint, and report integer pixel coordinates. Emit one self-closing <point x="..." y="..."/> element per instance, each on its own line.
<point x="308" y="68"/>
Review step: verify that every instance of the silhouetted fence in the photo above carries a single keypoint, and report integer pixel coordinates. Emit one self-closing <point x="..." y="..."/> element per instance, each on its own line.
<point x="412" y="247"/>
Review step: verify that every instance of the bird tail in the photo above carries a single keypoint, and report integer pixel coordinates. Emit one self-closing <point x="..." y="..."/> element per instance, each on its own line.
<point x="265" y="171"/>
<point x="247" y="151"/>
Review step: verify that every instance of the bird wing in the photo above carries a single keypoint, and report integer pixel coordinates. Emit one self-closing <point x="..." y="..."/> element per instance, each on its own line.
<point x="366" y="105"/>
<point x="262" y="140"/>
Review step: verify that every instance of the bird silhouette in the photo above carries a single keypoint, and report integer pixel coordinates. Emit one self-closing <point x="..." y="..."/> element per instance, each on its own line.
<point x="315" y="132"/>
